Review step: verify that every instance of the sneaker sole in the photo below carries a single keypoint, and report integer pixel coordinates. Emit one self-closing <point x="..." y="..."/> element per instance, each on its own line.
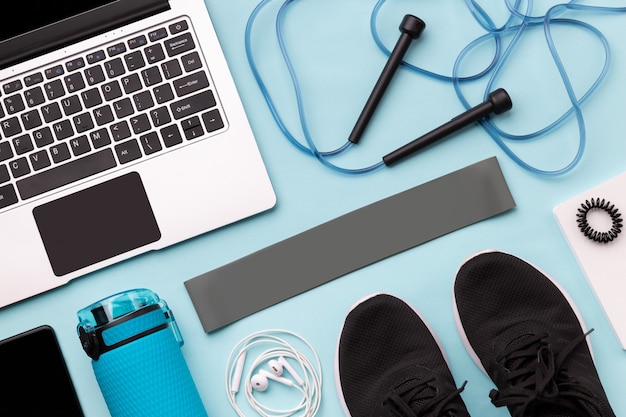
<point x="342" y="400"/>
<point x="459" y="326"/>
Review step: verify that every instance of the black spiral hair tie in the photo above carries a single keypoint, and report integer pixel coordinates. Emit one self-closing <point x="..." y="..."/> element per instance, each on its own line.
<point x="590" y="232"/>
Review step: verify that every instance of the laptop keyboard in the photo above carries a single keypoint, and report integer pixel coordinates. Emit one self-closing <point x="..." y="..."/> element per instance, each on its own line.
<point x="135" y="98"/>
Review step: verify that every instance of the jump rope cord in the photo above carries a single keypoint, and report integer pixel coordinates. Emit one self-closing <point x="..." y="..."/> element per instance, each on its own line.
<point x="518" y="23"/>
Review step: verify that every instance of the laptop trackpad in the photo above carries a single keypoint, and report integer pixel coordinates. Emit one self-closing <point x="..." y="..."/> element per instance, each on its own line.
<point x="96" y="224"/>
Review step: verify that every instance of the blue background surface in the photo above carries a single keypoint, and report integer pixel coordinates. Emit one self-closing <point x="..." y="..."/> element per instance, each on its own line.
<point x="338" y="62"/>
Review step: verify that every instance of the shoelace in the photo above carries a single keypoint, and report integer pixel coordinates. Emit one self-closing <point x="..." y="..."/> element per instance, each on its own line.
<point x="420" y="397"/>
<point x="537" y="376"/>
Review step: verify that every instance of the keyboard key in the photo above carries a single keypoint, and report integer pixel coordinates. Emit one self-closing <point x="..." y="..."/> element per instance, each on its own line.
<point x="137" y="42"/>
<point x="191" y="62"/>
<point x="54" y="89"/>
<point x="33" y="79"/>
<point x="191" y="84"/>
<point x="66" y="174"/>
<point x="79" y="145"/>
<point x="19" y="167"/>
<point x="190" y="123"/>
<point x="150" y="143"/>
<point x="7" y="196"/>
<point x="178" y="27"/>
<point x="120" y="130"/>
<point x="71" y="105"/>
<point x="34" y="97"/>
<point x="39" y="160"/>
<point x="123" y="108"/>
<point x="111" y="90"/>
<point x="128" y="151"/>
<point x="140" y="123"/>
<point x="134" y="61"/>
<point x="31" y="119"/>
<point x="179" y="45"/>
<point x="91" y="98"/>
<point x="12" y="87"/>
<point x="151" y="76"/>
<point x="114" y="68"/>
<point x="160" y="116"/>
<point x="193" y="104"/>
<point x="14" y="104"/>
<point x="212" y="120"/>
<point x="11" y="127"/>
<point x="43" y="137"/>
<point x="94" y="75"/>
<point x="94" y="57"/>
<point x="103" y="115"/>
<point x="117" y="49"/>
<point x="163" y="93"/>
<point x="171" y="136"/>
<point x="83" y="122"/>
<point x="100" y="138"/>
<point x="192" y="128"/>
<point x="60" y="152"/>
<point x="157" y="35"/>
<point x="63" y="129"/>
<point x="54" y="72"/>
<point x="143" y="101"/>
<point x="51" y="112"/>
<point x="4" y="174"/>
<point x="75" y="64"/>
<point x="131" y="83"/>
<point x="74" y="82"/>
<point x="171" y="69"/>
<point x="6" y="152"/>
<point x="22" y="144"/>
<point x="154" y="53"/>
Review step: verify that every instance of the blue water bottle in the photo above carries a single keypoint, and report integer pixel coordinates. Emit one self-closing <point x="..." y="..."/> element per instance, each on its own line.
<point x="134" y="343"/>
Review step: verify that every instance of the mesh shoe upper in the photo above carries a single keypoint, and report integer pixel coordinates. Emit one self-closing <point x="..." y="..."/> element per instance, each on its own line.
<point x="522" y="330"/>
<point x="390" y="365"/>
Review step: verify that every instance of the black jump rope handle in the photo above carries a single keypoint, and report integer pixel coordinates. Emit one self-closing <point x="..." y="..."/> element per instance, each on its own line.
<point x="411" y="28"/>
<point x="497" y="102"/>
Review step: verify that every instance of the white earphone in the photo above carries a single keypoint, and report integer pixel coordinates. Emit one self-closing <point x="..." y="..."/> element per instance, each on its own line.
<point x="277" y="367"/>
<point x="271" y="364"/>
<point x="260" y="381"/>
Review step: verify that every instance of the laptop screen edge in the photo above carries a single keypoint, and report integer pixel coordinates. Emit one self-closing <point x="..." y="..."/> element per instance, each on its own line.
<point x="76" y="28"/>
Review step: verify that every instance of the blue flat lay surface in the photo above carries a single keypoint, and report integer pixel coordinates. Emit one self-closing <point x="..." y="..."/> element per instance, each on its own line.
<point x="337" y="62"/>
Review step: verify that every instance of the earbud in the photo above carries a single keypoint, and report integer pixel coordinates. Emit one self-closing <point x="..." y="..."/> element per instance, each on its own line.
<point x="260" y="381"/>
<point x="277" y="366"/>
<point x="498" y="102"/>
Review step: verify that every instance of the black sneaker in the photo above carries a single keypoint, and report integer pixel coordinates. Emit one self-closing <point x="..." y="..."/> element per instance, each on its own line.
<point x="526" y="334"/>
<point x="388" y="364"/>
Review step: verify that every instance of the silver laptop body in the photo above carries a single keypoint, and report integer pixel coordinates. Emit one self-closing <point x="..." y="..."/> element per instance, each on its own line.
<point x="121" y="132"/>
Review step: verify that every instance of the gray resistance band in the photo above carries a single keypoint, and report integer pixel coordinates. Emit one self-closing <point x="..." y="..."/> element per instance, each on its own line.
<point x="349" y="242"/>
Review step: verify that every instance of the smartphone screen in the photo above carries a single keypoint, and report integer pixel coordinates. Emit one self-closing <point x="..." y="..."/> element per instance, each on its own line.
<point x="35" y="379"/>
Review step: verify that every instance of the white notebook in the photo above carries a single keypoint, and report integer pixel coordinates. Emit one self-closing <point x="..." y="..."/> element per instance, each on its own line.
<point x="604" y="264"/>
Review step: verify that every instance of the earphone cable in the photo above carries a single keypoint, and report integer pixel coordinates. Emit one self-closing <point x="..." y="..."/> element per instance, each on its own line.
<point x="277" y="346"/>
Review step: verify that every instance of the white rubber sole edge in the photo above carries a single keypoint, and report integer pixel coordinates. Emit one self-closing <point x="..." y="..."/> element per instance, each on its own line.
<point x="342" y="401"/>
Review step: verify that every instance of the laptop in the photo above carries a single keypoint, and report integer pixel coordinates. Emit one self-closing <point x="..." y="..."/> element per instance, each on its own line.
<point x="121" y="132"/>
